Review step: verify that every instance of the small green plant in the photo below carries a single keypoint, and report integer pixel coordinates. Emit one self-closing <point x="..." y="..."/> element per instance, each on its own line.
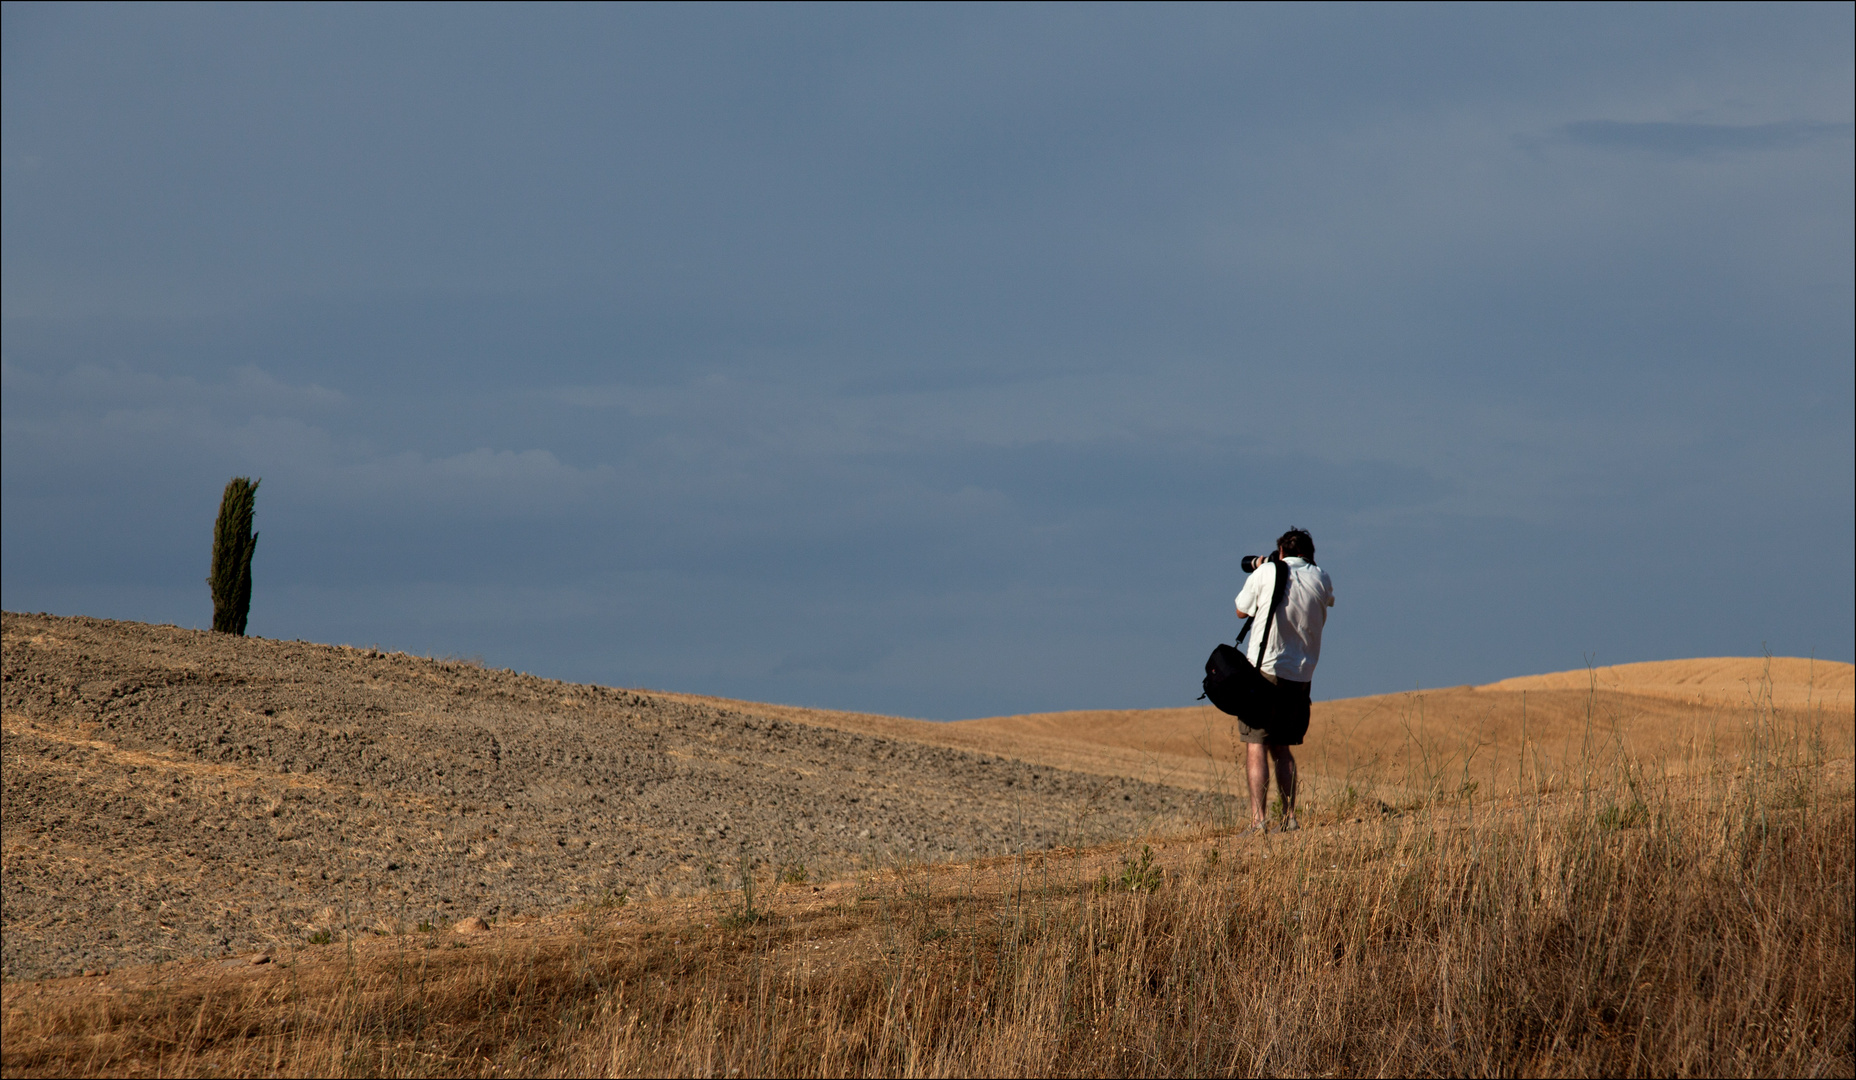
<point x="794" y="874"/>
<point x="233" y="544"/>
<point x="1142" y="876"/>
<point x="321" y="937"/>
<point x="747" y="914"/>
<point x="426" y="927"/>
<point x="1136" y="876"/>
<point x="1614" y="817"/>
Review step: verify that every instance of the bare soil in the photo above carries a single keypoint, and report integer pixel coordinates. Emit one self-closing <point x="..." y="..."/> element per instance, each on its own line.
<point x="169" y="793"/>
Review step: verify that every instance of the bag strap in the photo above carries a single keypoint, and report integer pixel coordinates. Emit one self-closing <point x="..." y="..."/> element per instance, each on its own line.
<point x="1276" y="593"/>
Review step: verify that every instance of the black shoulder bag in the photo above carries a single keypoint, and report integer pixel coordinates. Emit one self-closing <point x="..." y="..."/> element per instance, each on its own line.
<point x="1232" y="682"/>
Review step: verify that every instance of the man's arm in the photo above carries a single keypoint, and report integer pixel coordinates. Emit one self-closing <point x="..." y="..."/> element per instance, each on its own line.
<point x="1251" y="586"/>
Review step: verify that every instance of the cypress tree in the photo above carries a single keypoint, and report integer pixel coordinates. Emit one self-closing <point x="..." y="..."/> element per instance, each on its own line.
<point x="233" y="543"/>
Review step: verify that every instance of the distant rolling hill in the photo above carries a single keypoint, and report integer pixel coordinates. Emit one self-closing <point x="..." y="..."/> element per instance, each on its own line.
<point x="1677" y="714"/>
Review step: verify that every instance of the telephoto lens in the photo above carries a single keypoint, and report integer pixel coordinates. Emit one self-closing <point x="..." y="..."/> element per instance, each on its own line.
<point x="1251" y="562"/>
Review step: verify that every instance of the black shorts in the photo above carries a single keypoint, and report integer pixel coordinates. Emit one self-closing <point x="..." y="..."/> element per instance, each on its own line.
<point x="1290" y="724"/>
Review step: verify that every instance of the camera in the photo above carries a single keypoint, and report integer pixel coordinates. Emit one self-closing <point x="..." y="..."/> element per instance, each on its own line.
<point x="1251" y="562"/>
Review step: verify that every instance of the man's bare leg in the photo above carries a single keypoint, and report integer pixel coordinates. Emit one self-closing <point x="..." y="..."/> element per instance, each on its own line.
<point x="1285" y="783"/>
<point x="1257" y="769"/>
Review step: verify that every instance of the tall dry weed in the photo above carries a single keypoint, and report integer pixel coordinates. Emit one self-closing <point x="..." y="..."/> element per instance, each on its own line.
<point x="1686" y="945"/>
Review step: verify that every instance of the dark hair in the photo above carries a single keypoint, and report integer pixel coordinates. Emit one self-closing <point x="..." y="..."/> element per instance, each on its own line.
<point x="1297" y="543"/>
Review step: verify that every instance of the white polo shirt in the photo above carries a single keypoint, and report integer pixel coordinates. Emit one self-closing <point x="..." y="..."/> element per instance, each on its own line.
<point x="1295" y="636"/>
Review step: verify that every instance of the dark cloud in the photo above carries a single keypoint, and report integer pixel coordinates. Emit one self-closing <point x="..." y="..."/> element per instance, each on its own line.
<point x="1702" y="140"/>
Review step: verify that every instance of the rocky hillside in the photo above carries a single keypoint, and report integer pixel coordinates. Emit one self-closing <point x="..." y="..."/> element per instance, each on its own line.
<point x="171" y="792"/>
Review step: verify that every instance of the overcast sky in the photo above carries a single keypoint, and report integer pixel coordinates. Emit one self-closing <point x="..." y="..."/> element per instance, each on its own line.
<point x="938" y="361"/>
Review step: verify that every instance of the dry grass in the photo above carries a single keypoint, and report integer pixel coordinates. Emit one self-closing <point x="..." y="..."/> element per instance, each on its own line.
<point x="1625" y="922"/>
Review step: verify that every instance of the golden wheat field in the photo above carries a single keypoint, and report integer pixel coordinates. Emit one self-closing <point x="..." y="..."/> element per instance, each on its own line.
<point x="1679" y="714"/>
<point x="1644" y="870"/>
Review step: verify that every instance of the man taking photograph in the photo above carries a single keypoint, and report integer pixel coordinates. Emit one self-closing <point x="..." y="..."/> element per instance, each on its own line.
<point x="1288" y="654"/>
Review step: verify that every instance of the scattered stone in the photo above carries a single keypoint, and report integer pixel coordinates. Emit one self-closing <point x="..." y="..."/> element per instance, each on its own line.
<point x="470" y="924"/>
<point x="261" y="958"/>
